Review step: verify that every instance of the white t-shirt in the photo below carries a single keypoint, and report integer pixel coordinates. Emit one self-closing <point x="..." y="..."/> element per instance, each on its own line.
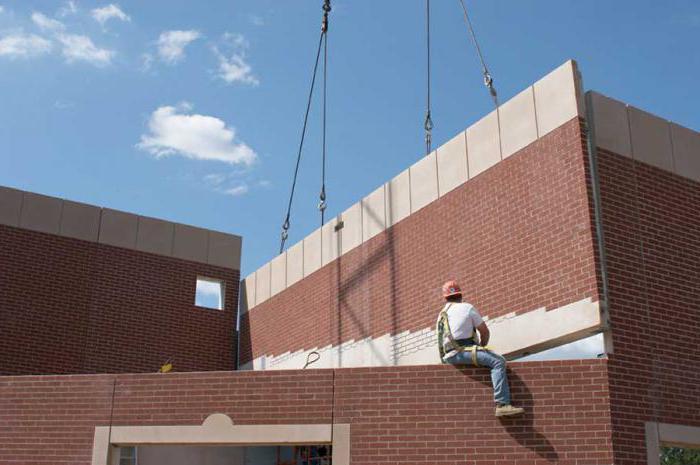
<point x="463" y="319"/>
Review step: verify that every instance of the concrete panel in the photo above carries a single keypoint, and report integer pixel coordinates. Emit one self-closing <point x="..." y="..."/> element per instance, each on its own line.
<point x="424" y="182"/>
<point x="373" y="214"/>
<point x="248" y="293"/>
<point x="262" y="284"/>
<point x="190" y="243"/>
<point x="398" y="198"/>
<point x="41" y="213"/>
<point x="80" y="221"/>
<point x="518" y="122"/>
<point x="612" y="130"/>
<point x="118" y="228"/>
<point x="295" y="263"/>
<point x="651" y="139"/>
<point x="278" y="274"/>
<point x="352" y="228"/>
<point x="312" y="252"/>
<point x="155" y="236"/>
<point x="330" y="242"/>
<point x="452" y="163"/>
<point x="556" y="98"/>
<point x="517" y="335"/>
<point x="483" y="146"/>
<point x="10" y="206"/>
<point x="686" y="151"/>
<point x="224" y="250"/>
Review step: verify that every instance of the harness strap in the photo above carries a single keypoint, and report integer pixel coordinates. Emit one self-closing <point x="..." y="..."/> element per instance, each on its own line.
<point x="456" y="346"/>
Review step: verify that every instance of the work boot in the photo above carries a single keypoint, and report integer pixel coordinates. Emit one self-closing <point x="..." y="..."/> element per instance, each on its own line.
<point x="507" y="410"/>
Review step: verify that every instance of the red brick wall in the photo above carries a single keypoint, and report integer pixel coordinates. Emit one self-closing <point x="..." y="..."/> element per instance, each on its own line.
<point x="418" y="415"/>
<point x="71" y="306"/>
<point x="652" y="234"/>
<point x="519" y="236"/>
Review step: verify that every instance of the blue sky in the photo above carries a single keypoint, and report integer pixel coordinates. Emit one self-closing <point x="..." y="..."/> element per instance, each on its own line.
<point x="191" y="111"/>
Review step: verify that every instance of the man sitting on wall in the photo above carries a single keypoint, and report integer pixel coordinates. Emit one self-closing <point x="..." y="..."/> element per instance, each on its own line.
<point x="456" y="329"/>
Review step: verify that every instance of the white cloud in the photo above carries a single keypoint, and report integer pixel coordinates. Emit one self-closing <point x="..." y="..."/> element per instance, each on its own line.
<point x="171" y="44"/>
<point x="111" y="11"/>
<point x="256" y="20"/>
<point x="81" y="48"/>
<point x="236" y="191"/>
<point x="200" y="137"/>
<point x="23" y="45"/>
<point x="146" y="62"/>
<point x="70" y="8"/>
<point x="2" y="9"/>
<point x="233" y="66"/>
<point x="45" y="23"/>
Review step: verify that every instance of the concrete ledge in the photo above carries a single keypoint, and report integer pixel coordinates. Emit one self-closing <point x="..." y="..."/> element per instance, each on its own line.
<point x="77" y="220"/>
<point x="631" y="132"/>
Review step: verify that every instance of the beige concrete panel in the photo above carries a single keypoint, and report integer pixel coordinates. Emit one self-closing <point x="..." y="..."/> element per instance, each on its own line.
<point x="651" y="430"/>
<point x="10" y="206"/>
<point x="262" y="284"/>
<point x="373" y="214"/>
<point x="312" y="252"/>
<point x="556" y="98"/>
<point x="518" y="122"/>
<point x="41" y="213"/>
<point x="248" y="287"/>
<point x="80" y="221"/>
<point x="155" y="236"/>
<point x="398" y="198"/>
<point x="452" y="163"/>
<point x="244" y="302"/>
<point x="352" y="228"/>
<point x="483" y="146"/>
<point x="341" y="444"/>
<point x="424" y="182"/>
<point x="679" y="435"/>
<point x="278" y="274"/>
<point x="295" y="263"/>
<point x="224" y="250"/>
<point x="651" y="139"/>
<point x="686" y="152"/>
<point x="330" y="242"/>
<point x="612" y="130"/>
<point x="537" y="330"/>
<point x="190" y="243"/>
<point x="118" y="228"/>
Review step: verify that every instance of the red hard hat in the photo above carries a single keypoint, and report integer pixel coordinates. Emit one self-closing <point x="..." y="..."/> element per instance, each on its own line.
<point x="451" y="288"/>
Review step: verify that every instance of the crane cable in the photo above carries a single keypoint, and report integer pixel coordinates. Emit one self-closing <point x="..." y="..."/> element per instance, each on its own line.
<point x="488" y="79"/>
<point x="428" y="124"/>
<point x="322" y="204"/>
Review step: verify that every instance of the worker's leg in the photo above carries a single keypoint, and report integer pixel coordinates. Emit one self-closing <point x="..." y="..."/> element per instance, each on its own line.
<point x="499" y="378"/>
<point x="496" y="363"/>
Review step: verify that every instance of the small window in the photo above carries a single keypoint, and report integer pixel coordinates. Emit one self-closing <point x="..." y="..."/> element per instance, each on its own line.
<point x="127" y="456"/>
<point x="210" y="293"/>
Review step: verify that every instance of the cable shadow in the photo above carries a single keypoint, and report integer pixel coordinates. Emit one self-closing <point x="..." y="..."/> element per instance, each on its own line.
<point x="521" y="428"/>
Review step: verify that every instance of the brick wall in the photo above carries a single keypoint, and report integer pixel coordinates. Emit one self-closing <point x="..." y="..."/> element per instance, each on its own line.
<point x="417" y="415"/>
<point x="517" y="237"/>
<point x="652" y="233"/>
<point x="72" y="306"/>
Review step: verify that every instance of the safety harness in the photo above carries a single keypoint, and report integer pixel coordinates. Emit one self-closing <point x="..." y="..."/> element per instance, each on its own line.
<point x="443" y="329"/>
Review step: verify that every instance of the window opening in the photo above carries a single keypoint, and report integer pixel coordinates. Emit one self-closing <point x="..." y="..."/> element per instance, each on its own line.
<point x="209" y="293"/>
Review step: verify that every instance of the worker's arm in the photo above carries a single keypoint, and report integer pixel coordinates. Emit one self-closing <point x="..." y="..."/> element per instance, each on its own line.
<point x="484" y="334"/>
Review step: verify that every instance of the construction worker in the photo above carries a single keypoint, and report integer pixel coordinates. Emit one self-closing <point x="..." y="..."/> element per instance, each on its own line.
<point x="457" y="325"/>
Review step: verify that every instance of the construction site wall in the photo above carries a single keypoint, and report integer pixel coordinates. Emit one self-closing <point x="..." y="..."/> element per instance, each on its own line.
<point x="418" y="415"/>
<point x="650" y="191"/>
<point x="70" y="305"/>
<point x="518" y="237"/>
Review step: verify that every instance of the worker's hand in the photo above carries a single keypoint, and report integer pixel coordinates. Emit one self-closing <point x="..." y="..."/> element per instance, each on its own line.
<point x="484" y="334"/>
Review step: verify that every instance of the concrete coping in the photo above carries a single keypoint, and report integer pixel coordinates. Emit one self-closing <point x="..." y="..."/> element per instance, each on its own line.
<point x="77" y="220"/>
<point x="634" y="133"/>
<point x="539" y="109"/>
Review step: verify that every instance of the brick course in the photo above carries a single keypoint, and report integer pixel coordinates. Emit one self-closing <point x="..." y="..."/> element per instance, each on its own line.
<point x="398" y="415"/>
<point x="71" y="306"/>
<point x="519" y="236"/>
<point x="652" y="234"/>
